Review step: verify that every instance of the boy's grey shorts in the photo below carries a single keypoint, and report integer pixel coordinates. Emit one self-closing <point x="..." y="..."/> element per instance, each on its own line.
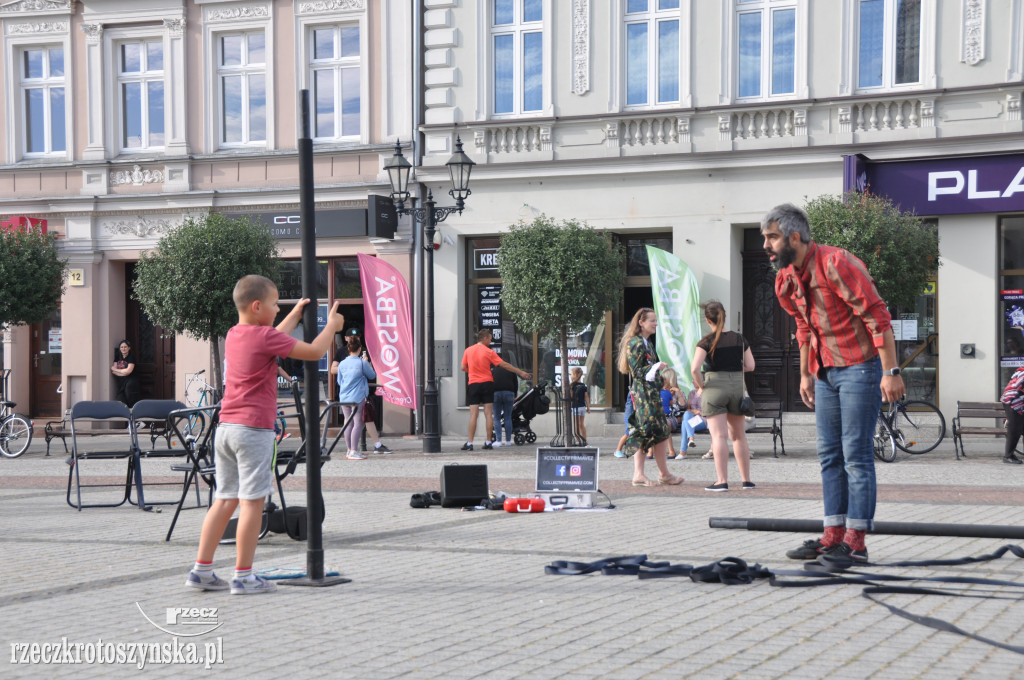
<point x="243" y="457"/>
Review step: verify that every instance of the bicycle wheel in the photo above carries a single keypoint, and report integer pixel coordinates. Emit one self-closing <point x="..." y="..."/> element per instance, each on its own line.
<point x="885" y="445"/>
<point x="918" y="427"/>
<point x="15" y="436"/>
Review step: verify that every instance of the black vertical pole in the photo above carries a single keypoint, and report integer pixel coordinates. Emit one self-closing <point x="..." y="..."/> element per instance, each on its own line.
<point x="307" y="215"/>
<point x="314" y="500"/>
<point x="431" y="423"/>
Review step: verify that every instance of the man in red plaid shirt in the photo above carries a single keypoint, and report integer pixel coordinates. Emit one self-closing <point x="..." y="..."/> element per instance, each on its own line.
<point x="847" y="352"/>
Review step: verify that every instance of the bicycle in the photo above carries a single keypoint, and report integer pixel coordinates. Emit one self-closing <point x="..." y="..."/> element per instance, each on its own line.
<point x="912" y="426"/>
<point x="206" y="391"/>
<point x="15" y="429"/>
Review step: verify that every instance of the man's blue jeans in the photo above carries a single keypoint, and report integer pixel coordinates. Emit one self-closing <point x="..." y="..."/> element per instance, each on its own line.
<point x="846" y="404"/>
<point x="503" y="413"/>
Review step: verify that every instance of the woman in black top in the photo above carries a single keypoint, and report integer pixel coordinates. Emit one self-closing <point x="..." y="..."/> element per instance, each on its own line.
<point x="123" y="369"/>
<point x="728" y="356"/>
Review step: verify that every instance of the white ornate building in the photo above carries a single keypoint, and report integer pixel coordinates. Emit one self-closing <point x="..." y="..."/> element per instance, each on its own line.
<point x="676" y="123"/>
<point x="680" y="123"/>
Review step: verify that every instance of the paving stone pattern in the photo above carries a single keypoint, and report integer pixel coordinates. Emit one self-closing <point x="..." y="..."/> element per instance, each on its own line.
<point x="442" y="593"/>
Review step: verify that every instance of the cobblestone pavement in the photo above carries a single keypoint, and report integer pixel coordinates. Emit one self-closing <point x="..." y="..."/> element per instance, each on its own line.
<point x="445" y="593"/>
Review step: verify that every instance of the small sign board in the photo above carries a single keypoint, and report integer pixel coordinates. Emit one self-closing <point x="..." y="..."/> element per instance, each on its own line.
<point x="567" y="469"/>
<point x="76" y="277"/>
<point x="54" y="341"/>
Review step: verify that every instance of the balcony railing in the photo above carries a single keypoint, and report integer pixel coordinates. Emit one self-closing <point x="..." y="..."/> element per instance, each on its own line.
<point x="886" y="114"/>
<point x="762" y="124"/>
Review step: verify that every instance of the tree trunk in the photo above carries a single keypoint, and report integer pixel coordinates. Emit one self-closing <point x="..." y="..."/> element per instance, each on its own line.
<point x="563" y="344"/>
<point x="217" y="371"/>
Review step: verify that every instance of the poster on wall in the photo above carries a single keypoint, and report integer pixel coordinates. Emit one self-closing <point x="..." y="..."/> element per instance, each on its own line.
<point x="489" y="313"/>
<point x="1012" y="351"/>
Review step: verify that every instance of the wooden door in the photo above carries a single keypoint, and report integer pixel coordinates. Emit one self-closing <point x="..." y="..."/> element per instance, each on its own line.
<point x="770" y="331"/>
<point x="46" y="346"/>
<point x="154" y="346"/>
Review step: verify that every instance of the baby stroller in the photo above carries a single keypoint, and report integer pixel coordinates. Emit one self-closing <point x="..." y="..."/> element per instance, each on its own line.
<point x="530" y="404"/>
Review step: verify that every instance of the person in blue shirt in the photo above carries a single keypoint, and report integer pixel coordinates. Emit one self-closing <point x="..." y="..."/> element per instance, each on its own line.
<point x="354" y="373"/>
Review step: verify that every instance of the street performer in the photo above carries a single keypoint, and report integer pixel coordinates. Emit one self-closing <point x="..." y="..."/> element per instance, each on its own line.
<point x="847" y="351"/>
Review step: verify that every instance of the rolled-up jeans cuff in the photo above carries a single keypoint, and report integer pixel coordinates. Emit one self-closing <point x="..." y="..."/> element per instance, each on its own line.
<point x="835" y="520"/>
<point x="860" y="524"/>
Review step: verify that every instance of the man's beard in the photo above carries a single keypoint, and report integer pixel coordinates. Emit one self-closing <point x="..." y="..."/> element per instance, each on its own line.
<point x="784" y="258"/>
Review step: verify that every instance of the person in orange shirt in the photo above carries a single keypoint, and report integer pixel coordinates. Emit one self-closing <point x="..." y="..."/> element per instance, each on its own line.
<point x="477" y="361"/>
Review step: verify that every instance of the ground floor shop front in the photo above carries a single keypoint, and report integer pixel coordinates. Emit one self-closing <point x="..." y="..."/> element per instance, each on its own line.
<point x="959" y="343"/>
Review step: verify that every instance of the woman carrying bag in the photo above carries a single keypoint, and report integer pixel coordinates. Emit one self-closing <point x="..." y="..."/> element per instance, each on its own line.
<point x="648" y="427"/>
<point x="728" y="357"/>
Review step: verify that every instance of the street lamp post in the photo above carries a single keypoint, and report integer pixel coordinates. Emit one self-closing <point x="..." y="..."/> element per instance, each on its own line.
<point x="430" y="215"/>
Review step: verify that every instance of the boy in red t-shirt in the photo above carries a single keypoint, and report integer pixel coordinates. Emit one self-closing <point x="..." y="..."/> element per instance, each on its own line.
<point x="244" y="439"/>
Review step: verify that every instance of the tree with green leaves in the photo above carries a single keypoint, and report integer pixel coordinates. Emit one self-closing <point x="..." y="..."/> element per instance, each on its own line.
<point x="32" y="276"/>
<point x="559" y="277"/>
<point x="900" y="250"/>
<point x="185" y="284"/>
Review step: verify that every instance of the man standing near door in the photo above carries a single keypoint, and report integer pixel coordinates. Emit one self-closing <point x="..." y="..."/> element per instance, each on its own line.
<point x="848" y="366"/>
<point x="477" y="361"/>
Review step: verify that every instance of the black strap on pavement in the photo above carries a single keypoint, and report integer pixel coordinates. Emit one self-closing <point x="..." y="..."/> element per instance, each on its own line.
<point x="735" y="571"/>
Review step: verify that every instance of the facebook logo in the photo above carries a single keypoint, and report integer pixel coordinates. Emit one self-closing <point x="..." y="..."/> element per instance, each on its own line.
<point x="560" y="470"/>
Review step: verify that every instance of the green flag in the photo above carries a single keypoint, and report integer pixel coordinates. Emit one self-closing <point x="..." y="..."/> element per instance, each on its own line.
<point x="677" y="303"/>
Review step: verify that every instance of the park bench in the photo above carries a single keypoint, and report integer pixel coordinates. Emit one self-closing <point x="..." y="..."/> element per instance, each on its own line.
<point x="767" y="420"/>
<point x="983" y="418"/>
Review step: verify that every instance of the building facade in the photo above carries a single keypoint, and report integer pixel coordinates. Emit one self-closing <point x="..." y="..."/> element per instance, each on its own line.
<point x="672" y="123"/>
<point x="122" y="120"/>
<point x="680" y="123"/>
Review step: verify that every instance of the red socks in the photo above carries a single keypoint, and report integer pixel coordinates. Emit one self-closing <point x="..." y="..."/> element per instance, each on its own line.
<point x="855" y="539"/>
<point x="833" y="535"/>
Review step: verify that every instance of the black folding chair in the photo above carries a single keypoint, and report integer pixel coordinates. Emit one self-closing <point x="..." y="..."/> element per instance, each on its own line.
<point x="194" y="429"/>
<point x="85" y="415"/>
<point x="286" y="461"/>
<point x="150" y="416"/>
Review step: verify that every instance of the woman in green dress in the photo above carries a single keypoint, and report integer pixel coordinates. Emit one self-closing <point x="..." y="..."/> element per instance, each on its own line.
<point x="648" y="426"/>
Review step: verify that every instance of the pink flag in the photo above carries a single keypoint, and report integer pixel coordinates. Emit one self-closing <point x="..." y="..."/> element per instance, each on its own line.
<point x="388" y="332"/>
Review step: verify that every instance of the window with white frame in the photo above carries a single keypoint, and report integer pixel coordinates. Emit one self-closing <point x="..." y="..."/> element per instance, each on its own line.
<point x="766" y="48"/>
<point x="335" y="76"/>
<point x="652" y="52"/>
<point x="517" y="48"/>
<point x="43" y="110"/>
<point x="140" y="86"/>
<point x="888" y="43"/>
<point x="242" y="88"/>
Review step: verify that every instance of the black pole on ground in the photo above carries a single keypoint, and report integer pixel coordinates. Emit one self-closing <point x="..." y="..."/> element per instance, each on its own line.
<point x="1000" y="531"/>
<point x="314" y="500"/>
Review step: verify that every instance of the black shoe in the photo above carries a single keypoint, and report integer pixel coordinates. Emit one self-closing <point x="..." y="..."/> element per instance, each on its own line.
<point x="841" y="556"/>
<point x="717" y="487"/>
<point x="810" y="550"/>
<point x="467" y="447"/>
<point x="747" y="485"/>
<point x="488" y="445"/>
<point x="1012" y="460"/>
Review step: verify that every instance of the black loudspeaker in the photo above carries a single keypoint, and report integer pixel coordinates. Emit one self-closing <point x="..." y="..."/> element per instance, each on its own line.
<point x="463" y="485"/>
<point x="381" y="217"/>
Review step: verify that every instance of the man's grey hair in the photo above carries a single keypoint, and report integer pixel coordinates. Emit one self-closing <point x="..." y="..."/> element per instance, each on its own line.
<point x="790" y="219"/>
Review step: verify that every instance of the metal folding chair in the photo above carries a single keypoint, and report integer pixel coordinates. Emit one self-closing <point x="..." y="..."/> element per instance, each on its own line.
<point x="85" y="415"/>
<point x="194" y="429"/>
<point x="150" y="418"/>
